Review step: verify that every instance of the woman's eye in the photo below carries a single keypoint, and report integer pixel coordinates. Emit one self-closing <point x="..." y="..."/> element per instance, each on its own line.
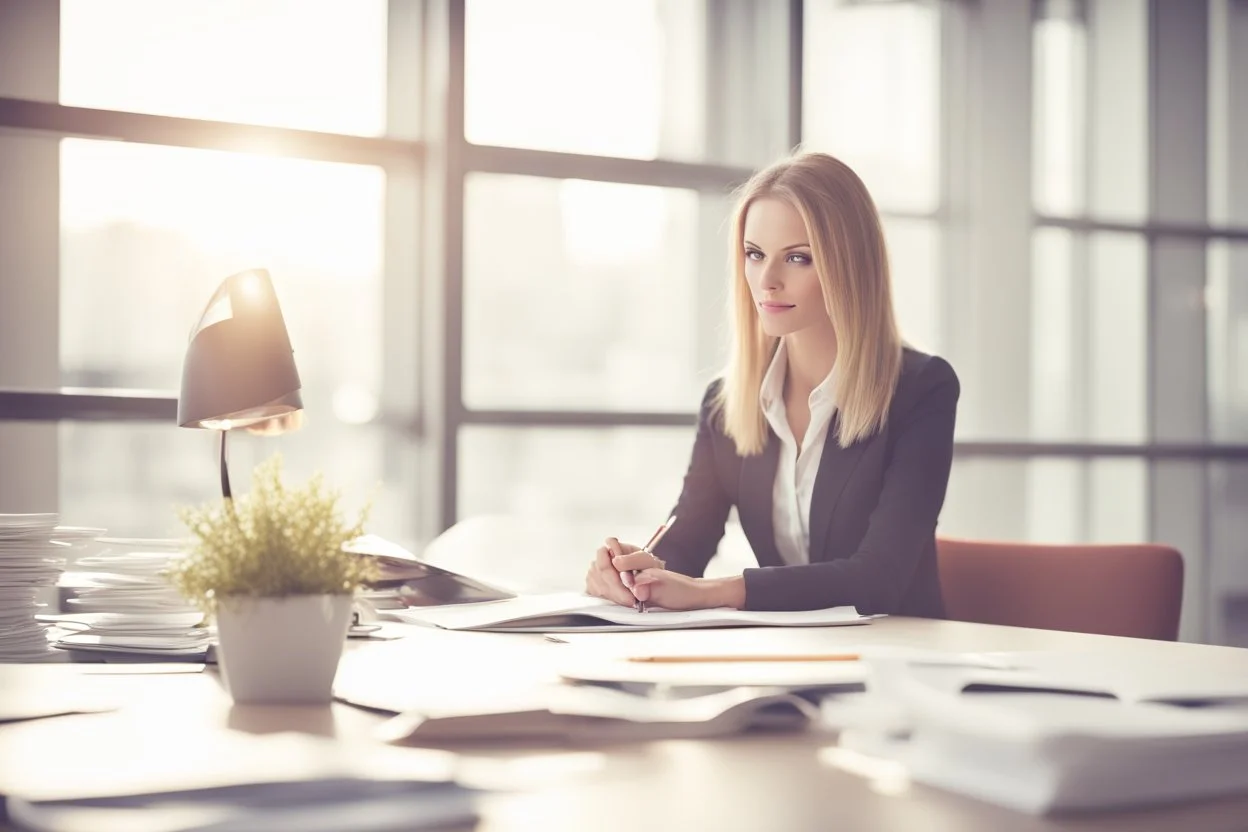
<point x="751" y="254"/>
<point x="800" y="259"/>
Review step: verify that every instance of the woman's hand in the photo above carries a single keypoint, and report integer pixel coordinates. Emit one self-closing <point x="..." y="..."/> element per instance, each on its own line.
<point x="610" y="576"/>
<point x="606" y="580"/>
<point x="659" y="587"/>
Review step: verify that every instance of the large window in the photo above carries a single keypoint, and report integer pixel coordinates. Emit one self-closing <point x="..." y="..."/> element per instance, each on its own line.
<point x="498" y="233"/>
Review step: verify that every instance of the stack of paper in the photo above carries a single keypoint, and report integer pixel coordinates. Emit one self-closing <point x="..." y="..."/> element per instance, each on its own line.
<point x="29" y="560"/>
<point x="1039" y="752"/>
<point x="124" y="603"/>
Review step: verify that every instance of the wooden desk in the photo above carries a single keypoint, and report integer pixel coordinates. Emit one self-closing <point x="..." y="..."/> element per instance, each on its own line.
<point x="757" y="782"/>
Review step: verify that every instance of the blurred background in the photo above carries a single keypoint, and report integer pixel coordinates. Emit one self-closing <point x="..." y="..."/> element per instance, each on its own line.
<point x="497" y="231"/>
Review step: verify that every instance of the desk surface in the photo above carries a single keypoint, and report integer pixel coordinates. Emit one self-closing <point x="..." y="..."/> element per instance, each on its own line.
<point x="755" y="782"/>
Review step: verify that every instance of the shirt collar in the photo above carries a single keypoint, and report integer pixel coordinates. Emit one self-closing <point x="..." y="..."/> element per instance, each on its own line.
<point x="771" y="391"/>
<point x="772" y="388"/>
<point x="825" y="390"/>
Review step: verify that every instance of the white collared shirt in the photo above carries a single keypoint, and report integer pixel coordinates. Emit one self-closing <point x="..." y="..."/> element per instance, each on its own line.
<point x="798" y="466"/>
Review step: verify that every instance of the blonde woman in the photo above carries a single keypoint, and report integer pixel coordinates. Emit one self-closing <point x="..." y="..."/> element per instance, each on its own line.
<point x="831" y="438"/>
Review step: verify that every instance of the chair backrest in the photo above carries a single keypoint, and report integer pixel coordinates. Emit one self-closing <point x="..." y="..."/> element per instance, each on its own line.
<point x="1119" y="590"/>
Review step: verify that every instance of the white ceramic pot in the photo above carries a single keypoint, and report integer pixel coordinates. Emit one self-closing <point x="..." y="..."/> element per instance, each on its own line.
<point x="281" y="649"/>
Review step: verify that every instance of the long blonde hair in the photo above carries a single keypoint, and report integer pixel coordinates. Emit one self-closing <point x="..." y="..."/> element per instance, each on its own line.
<point x="847" y="245"/>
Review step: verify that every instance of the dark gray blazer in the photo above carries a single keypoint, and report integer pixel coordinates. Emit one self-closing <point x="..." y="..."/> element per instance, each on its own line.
<point x="872" y="517"/>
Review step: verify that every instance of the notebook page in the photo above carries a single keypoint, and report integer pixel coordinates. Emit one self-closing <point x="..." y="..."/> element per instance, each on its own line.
<point x="491" y="613"/>
<point x="544" y="612"/>
<point x="658" y="618"/>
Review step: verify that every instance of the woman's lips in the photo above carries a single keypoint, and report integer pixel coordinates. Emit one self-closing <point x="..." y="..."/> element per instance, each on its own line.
<point x="775" y="308"/>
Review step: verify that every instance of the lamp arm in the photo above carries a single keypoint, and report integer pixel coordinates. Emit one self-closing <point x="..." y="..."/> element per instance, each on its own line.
<point x="225" y="472"/>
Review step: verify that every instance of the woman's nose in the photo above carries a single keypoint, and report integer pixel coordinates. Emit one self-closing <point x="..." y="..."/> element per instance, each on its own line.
<point x="770" y="278"/>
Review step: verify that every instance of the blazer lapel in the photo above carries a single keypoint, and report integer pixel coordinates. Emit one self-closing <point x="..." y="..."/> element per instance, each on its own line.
<point x="835" y="467"/>
<point x="758" y="478"/>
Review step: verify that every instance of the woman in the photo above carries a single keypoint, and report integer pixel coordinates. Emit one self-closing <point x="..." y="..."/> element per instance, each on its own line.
<point x="830" y="436"/>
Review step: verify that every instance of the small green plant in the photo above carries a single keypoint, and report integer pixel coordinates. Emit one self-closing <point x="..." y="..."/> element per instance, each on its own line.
<point x="273" y="542"/>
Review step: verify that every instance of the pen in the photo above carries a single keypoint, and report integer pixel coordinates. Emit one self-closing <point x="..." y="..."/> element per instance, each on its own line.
<point x="649" y="550"/>
<point x="818" y="657"/>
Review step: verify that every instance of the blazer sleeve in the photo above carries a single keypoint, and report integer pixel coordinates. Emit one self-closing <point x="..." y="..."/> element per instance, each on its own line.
<point x="702" y="510"/>
<point x="901" y="527"/>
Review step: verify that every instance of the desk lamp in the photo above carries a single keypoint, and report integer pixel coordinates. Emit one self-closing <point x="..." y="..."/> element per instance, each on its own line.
<point x="239" y="370"/>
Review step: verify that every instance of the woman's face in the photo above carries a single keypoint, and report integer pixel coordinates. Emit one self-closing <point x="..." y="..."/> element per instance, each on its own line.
<point x="779" y="269"/>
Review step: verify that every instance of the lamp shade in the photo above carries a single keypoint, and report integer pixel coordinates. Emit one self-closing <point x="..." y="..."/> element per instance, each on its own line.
<point x="239" y="368"/>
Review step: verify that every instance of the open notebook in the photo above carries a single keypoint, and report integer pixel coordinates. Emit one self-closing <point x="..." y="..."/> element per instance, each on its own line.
<point x="574" y="612"/>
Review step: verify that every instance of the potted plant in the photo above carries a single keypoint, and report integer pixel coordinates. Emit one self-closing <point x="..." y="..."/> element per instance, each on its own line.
<point x="270" y="567"/>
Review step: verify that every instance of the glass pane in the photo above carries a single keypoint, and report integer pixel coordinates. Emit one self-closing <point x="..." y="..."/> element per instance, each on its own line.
<point x="1228" y="113"/>
<point x="607" y="476"/>
<point x="1055" y="500"/>
<point x="871" y="95"/>
<point x="914" y="263"/>
<point x="131" y="478"/>
<point x="620" y="78"/>
<point x="1048" y="500"/>
<point x="590" y="295"/>
<point x="1117" y="506"/>
<point x="592" y="482"/>
<point x="148" y="233"/>
<point x="312" y="64"/>
<point x="1059" y="84"/>
<point x="1228" y="547"/>
<point x="1089" y="325"/>
<point x="1226" y="300"/>
<point x="1118" y="117"/>
<point x="987" y="499"/>
<point x="1057" y="362"/>
<point x="1119" y="338"/>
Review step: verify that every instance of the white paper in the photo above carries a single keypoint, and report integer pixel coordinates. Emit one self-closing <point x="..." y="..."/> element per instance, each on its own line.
<point x="32" y="691"/>
<point x="515" y="614"/>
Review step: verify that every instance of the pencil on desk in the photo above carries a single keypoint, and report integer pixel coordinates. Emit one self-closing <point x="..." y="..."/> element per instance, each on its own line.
<point x="814" y="657"/>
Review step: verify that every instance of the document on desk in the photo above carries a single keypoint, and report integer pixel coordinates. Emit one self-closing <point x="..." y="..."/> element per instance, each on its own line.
<point x="236" y="782"/>
<point x="1103" y="674"/>
<point x="570" y="714"/>
<point x="571" y="612"/>
<point x="31" y="691"/>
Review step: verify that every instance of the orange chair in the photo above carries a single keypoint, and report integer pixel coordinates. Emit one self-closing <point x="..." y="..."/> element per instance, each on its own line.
<point x="1134" y="590"/>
